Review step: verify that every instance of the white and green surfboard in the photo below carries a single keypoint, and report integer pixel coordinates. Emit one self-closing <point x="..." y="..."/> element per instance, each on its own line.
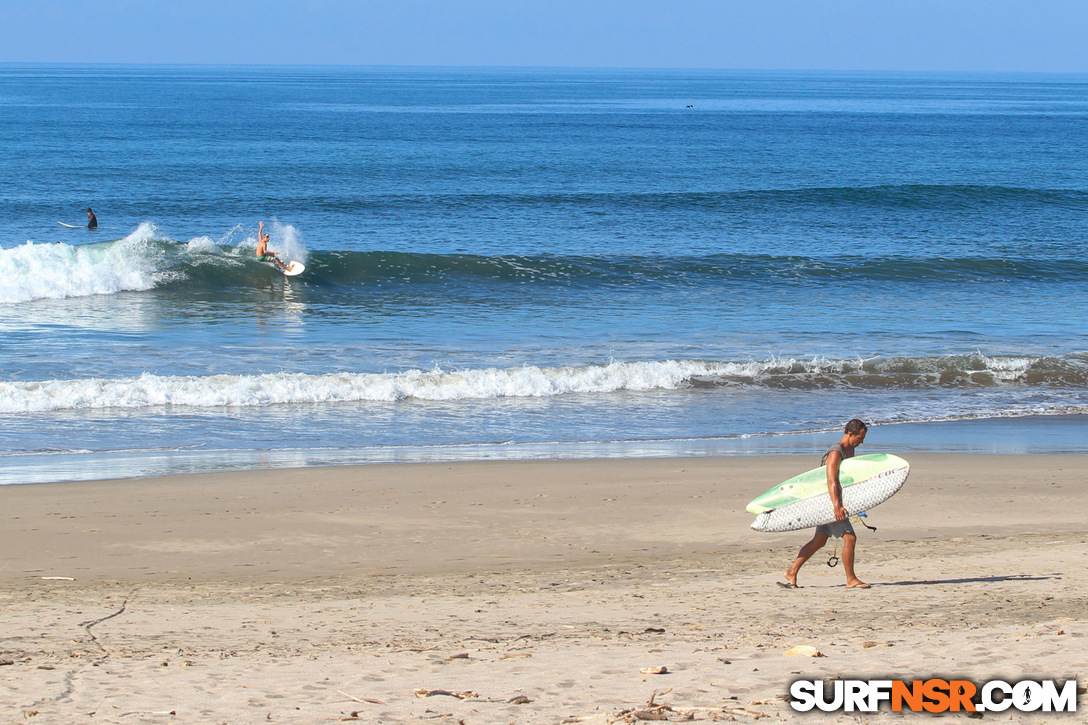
<point x="803" y="501"/>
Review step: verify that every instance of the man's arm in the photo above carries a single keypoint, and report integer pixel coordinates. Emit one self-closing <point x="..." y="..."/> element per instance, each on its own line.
<point x="834" y="489"/>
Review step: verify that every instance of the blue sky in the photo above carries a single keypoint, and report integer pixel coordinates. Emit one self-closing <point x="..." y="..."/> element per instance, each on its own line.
<point x="966" y="35"/>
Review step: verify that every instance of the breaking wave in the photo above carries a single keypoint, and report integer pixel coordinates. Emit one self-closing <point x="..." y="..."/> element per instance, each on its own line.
<point x="148" y="390"/>
<point x="144" y="260"/>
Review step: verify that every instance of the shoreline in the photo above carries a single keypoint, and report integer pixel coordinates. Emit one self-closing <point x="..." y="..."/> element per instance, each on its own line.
<point x="543" y="587"/>
<point x="1028" y="435"/>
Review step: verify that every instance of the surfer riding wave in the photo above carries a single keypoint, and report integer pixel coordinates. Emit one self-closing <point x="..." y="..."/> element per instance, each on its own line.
<point x="263" y="255"/>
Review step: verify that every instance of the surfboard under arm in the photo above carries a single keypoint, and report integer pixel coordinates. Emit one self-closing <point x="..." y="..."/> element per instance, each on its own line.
<point x="803" y="501"/>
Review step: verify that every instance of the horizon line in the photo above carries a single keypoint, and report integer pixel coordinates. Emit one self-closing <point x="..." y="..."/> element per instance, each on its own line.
<point x="481" y="67"/>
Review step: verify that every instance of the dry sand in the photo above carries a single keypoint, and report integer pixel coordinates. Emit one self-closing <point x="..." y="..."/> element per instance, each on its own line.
<point x="523" y="592"/>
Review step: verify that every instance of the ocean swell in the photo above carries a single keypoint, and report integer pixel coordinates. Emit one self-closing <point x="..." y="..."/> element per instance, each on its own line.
<point x="147" y="260"/>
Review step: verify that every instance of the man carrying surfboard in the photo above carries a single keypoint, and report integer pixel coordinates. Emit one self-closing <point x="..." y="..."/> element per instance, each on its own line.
<point x="853" y="436"/>
<point x="263" y="255"/>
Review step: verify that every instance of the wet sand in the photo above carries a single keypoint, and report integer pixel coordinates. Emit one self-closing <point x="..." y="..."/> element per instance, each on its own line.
<point x="522" y="592"/>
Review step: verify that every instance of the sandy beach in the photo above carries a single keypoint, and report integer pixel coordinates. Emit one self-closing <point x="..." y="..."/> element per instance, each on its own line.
<point x="523" y="592"/>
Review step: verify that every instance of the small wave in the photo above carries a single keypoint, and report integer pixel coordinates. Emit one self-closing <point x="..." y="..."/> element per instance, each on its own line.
<point x="910" y="373"/>
<point x="365" y="268"/>
<point x="143" y="260"/>
<point x="147" y="260"/>
<point x="961" y="371"/>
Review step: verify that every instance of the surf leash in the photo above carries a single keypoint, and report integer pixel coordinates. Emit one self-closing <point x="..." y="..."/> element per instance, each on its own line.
<point x="859" y="520"/>
<point x="833" y="560"/>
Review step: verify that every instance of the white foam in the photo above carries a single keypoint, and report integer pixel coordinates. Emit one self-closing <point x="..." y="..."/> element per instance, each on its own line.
<point x="43" y="271"/>
<point x="437" y="385"/>
<point x="203" y="245"/>
<point x="279" y="388"/>
<point x="283" y="239"/>
<point x="141" y="261"/>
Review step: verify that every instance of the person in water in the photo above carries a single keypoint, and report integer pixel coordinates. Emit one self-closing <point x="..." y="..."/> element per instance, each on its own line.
<point x="852" y="437"/>
<point x="263" y="255"/>
<point x="92" y="221"/>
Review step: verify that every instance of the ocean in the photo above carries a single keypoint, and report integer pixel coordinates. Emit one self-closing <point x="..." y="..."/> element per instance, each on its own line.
<point x="527" y="263"/>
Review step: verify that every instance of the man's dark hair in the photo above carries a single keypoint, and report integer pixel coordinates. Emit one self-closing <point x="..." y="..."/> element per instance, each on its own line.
<point x="856" y="426"/>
